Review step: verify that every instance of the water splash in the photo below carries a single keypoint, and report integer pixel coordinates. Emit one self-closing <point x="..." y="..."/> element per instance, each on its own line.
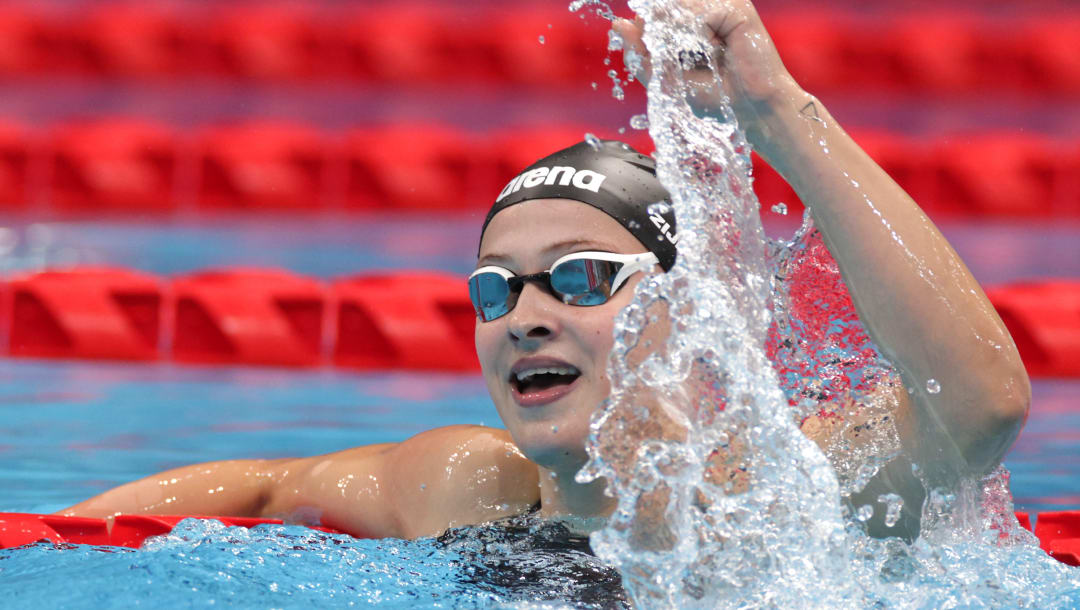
<point x="721" y="500"/>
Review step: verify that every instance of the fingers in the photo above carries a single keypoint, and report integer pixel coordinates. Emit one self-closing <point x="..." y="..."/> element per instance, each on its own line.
<point x="635" y="55"/>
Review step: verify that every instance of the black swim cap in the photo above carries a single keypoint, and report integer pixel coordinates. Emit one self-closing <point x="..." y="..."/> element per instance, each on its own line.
<point x="610" y="176"/>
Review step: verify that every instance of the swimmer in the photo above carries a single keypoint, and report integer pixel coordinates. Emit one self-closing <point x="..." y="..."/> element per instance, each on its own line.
<point x="561" y="250"/>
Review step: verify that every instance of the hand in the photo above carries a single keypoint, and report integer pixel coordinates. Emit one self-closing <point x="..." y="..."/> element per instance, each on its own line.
<point x="753" y="76"/>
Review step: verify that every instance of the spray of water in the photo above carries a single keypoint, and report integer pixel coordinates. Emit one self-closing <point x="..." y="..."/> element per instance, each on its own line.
<point x="722" y="500"/>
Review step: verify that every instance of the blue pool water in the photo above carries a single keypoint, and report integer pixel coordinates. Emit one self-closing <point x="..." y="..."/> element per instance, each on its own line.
<point x="71" y="429"/>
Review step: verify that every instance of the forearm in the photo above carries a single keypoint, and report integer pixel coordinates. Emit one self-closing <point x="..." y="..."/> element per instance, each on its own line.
<point x="231" y="488"/>
<point x="915" y="296"/>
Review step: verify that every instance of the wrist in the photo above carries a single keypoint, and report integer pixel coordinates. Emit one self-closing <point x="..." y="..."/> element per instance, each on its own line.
<point x="783" y="123"/>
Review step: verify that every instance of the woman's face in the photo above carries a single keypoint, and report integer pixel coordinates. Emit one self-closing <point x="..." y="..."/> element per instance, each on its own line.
<point x="548" y="415"/>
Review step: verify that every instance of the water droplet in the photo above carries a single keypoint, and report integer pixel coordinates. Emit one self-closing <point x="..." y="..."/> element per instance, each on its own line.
<point x="615" y="42"/>
<point x="780" y="208"/>
<point x="659" y="208"/>
<point x="932" y="386"/>
<point x="864" y="513"/>
<point x="553" y="475"/>
<point x="592" y="141"/>
<point x="594" y="85"/>
<point x="633" y="224"/>
<point x="549" y="26"/>
<point x="639" y="121"/>
<point x="622" y="130"/>
<point x="423" y="486"/>
<point x="554" y="429"/>
<point x="542" y="41"/>
<point x="607" y="61"/>
<point x="893" y="505"/>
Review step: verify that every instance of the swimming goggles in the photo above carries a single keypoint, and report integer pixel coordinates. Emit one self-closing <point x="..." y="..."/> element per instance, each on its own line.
<point x="582" y="278"/>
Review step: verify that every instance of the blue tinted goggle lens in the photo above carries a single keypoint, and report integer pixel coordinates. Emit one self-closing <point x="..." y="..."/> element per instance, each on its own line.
<point x="583" y="282"/>
<point x="491" y="296"/>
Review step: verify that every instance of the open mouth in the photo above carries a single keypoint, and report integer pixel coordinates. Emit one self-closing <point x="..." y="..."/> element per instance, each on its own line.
<point x="539" y="379"/>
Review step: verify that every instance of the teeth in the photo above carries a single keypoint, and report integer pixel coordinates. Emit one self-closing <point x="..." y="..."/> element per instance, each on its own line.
<point x="549" y="370"/>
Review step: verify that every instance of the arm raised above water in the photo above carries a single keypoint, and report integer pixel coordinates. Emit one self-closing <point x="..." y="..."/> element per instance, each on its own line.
<point x="968" y="392"/>
<point x="451" y="476"/>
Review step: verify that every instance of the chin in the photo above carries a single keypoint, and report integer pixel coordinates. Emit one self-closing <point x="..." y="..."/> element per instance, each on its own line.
<point x="559" y="451"/>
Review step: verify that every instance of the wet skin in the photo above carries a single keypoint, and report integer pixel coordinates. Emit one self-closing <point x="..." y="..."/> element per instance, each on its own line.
<point x="915" y="297"/>
<point x="456" y="475"/>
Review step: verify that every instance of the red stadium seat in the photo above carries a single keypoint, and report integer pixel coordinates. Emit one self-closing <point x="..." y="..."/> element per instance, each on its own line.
<point x="936" y="51"/>
<point x="249" y="316"/>
<point x="17" y="148"/>
<point x="85" y="313"/>
<point x="1032" y="55"/>
<point x="411" y="321"/>
<point x="906" y="160"/>
<point x="812" y="48"/>
<point x="272" y="42"/>
<point x="1049" y="50"/>
<point x="571" y="55"/>
<point x="421" y="44"/>
<point x="113" y="165"/>
<point x="264" y="166"/>
<point x="25" y="40"/>
<point x="1044" y="321"/>
<point x="415" y="167"/>
<point x="1001" y="174"/>
<point x="137" y="40"/>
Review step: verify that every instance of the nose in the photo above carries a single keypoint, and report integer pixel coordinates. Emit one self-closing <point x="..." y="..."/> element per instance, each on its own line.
<point x="534" y="319"/>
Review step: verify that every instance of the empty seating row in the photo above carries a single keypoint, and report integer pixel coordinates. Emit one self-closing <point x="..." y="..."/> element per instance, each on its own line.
<point x="377" y="321"/>
<point x="131" y="165"/>
<point x="419" y="43"/>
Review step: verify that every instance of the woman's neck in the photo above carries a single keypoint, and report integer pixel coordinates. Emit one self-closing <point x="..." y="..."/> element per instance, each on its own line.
<point x="584" y="507"/>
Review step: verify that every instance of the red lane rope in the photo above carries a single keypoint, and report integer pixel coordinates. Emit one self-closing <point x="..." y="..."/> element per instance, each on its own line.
<point x="409" y="320"/>
<point x="18" y="529"/>
<point x="1058" y="532"/>
<point x="138" y="166"/>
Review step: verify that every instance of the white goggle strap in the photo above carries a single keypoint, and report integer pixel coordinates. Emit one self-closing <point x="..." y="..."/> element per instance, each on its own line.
<point x="639" y="262"/>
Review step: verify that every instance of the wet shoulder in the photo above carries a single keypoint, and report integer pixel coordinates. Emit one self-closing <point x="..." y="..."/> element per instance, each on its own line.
<point x="459" y="475"/>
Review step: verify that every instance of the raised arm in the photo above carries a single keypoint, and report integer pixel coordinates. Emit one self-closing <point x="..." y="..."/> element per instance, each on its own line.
<point x="969" y="392"/>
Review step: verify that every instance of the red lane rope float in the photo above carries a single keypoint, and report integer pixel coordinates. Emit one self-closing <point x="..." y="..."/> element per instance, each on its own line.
<point x="265" y="165"/>
<point x="93" y="313"/>
<point x="114" y="164"/>
<point x="412" y="321"/>
<point x="404" y="321"/>
<point x="17" y="147"/>
<point x="249" y="316"/>
<point x="1058" y="532"/>
<point x="1044" y="320"/>
<point x="1059" y="535"/>
<point x="18" y="529"/>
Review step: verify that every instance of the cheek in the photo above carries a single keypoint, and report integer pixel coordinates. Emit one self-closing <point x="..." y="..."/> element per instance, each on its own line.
<point x="487" y="345"/>
<point x="599" y="337"/>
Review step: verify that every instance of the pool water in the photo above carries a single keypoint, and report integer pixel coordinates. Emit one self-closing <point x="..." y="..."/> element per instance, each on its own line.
<point x="69" y="430"/>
